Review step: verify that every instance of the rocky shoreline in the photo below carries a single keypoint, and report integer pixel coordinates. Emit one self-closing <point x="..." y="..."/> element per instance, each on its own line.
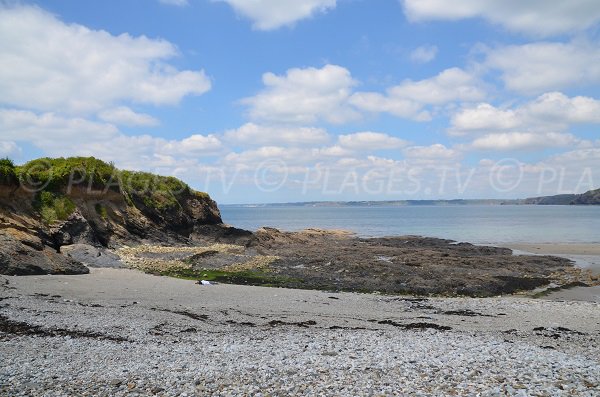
<point x="118" y="332"/>
<point x="162" y="226"/>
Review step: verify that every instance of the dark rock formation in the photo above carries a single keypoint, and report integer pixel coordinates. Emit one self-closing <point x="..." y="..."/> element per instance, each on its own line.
<point x="23" y="254"/>
<point x="404" y="264"/>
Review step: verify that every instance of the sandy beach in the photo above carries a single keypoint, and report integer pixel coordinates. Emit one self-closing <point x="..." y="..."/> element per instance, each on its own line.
<point x="586" y="256"/>
<point x="566" y="249"/>
<point x="122" y="332"/>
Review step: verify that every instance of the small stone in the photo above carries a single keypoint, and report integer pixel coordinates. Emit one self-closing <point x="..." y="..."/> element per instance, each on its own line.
<point x="331" y="354"/>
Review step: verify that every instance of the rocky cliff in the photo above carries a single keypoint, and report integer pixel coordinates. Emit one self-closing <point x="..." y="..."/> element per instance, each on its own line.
<point x="49" y="204"/>
<point x="588" y="198"/>
<point x="591" y="197"/>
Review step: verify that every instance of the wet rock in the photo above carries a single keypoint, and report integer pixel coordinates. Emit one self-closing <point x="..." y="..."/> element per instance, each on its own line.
<point x="17" y="258"/>
<point x="92" y="256"/>
<point x="75" y="229"/>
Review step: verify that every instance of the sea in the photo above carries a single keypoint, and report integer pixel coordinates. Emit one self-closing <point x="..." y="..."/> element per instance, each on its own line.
<point x="478" y="224"/>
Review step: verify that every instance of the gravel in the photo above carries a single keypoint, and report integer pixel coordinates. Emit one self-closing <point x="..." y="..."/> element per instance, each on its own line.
<point x="118" y="332"/>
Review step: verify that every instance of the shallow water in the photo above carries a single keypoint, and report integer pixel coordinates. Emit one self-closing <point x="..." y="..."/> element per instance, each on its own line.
<point x="485" y="224"/>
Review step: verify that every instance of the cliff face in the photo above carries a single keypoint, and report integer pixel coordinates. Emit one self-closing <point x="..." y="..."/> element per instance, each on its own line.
<point x="561" y="199"/>
<point x="93" y="208"/>
<point x="588" y="198"/>
<point x="591" y="197"/>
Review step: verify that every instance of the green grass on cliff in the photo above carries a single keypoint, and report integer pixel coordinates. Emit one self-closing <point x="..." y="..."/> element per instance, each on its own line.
<point x="53" y="207"/>
<point x="156" y="192"/>
<point x="58" y="176"/>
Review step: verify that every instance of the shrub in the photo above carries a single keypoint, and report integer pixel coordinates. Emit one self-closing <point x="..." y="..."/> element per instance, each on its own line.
<point x="54" y="174"/>
<point x="8" y="175"/>
<point x="53" y="207"/>
<point x="101" y="210"/>
<point x="155" y="191"/>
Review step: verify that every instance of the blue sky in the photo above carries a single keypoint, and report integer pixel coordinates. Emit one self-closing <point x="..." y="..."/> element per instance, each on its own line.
<point x="270" y="100"/>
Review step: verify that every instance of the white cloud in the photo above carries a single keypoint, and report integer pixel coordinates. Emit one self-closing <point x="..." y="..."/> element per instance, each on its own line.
<point x="304" y="96"/>
<point x="409" y="98"/>
<point x="523" y="140"/>
<point x="452" y="84"/>
<point x="123" y="115"/>
<point x="51" y="132"/>
<point x="435" y="151"/>
<point x="424" y="54"/>
<point x="193" y="145"/>
<point x="273" y="14"/>
<point x="376" y="103"/>
<point x="538" y="67"/>
<point x="254" y="134"/>
<point x="9" y="148"/>
<point x="60" y="136"/>
<point x="178" y="3"/>
<point x="557" y="107"/>
<point x="367" y="140"/>
<point x="550" y="111"/>
<point x="483" y="117"/>
<point x="533" y="17"/>
<point x="48" y="65"/>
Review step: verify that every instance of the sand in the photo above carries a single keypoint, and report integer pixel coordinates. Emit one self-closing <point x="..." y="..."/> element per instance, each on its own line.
<point x="590" y="249"/>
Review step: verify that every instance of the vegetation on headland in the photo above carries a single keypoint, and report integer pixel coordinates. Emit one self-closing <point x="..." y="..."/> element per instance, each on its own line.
<point x="53" y="207"/>
<point x="8" y="175"/>
<point x="53" y="180"/>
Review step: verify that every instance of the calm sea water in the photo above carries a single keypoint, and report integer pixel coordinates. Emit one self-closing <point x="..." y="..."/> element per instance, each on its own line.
<point x="472" y="223"/>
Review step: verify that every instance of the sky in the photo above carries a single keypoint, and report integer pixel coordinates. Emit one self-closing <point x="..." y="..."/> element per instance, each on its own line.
<point x="258" y="101"/>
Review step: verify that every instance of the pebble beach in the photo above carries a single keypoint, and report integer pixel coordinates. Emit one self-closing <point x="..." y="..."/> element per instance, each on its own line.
<point x="119" y="332"/>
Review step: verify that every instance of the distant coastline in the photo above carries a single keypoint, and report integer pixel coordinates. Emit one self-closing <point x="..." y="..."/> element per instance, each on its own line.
<point x="591" y="197"/>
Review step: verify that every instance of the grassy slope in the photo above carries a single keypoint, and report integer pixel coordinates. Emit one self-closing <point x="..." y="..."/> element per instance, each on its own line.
<point x="51" y="177"/>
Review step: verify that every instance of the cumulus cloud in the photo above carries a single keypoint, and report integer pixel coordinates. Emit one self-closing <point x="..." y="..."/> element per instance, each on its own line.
<point x="51" y="132"/>
<point x="523" y="140"/>
<point x="533" y="17"/>
<point x="368" y="140"/>
<point x="304" y="96"/>
<point x="273" y="14"/>
<point x="424" y="54"/>
<point x="62" y="136"/>
<point x="552" y="110"/>
<point x="123" y="115"/>
<point x="543" y="66"/>
<point x="9" y="149"/>
<point x="254" y="134"/>
<point x="410" y="97"/>
<point x="48" y="65"/>
<point x="435" y="151"/>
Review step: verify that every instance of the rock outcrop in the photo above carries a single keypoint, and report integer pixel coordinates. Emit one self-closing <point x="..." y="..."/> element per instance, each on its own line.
<point x="24" y="254"/>
<point x="92" y="210"/>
